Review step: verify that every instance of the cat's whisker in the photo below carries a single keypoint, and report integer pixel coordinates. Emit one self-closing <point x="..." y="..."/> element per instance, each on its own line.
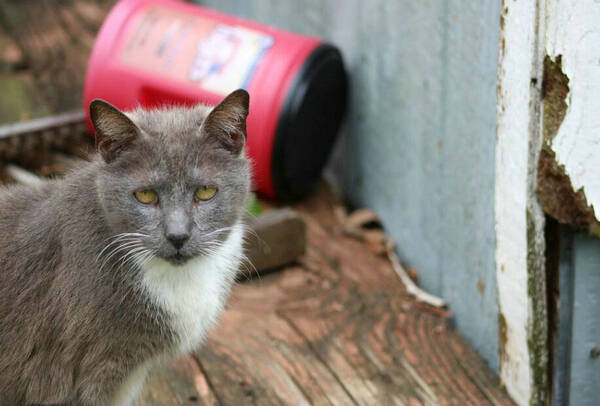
<point x="140" y="259"/>
<point x="149" y="257"/>
<point x="215" y="245"/>
<point x="118" y="263"/>
<point x="137" y="287"/>
<point x="127" y="234"/>
<point x="249" y="267"/>
<point x="115" y="241"/>
<point x="125" y="259"/>
<point x="219" y="231"/>
<point x="248" y="232"/>
<point x="131" y="254"/>
<point x="112" y="237"/>
<point x="120" y="238"/>
<point x="212" y="250"/>
<point x="143" y="257"/>
<point x="123" y="246"/>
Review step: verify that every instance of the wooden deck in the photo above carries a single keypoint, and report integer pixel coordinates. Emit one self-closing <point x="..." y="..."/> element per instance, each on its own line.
<point x="338" y="328"/>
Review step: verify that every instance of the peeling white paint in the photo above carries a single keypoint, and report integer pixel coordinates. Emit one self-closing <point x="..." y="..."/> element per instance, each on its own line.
<point x="517" y="52"/>
<point x="573" y="31"/>
<point x="559" y="27"/>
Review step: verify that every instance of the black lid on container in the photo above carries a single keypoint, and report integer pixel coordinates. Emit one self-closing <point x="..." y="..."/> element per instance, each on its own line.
<point x="309" y="121"/>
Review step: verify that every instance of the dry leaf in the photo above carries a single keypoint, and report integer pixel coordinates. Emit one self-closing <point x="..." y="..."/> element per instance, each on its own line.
<point x="361" y="217"/>
<point x="340" y="213"/>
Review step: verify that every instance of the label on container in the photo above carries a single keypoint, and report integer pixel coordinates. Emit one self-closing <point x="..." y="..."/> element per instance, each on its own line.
<point x="216" y="57"/>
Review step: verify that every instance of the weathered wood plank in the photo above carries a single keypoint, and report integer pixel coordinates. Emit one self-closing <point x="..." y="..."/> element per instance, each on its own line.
<point x="182" y="383"/>
<point x="349" y="331"/>
<point x="379" y="329"/>
<point x="270" y="364"/>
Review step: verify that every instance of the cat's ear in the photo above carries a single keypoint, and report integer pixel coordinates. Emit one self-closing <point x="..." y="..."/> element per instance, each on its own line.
<point x="114" y="130"/>
<point x="227" y="121"/>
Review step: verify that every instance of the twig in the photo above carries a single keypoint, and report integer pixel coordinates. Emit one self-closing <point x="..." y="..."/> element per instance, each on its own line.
<point x="411" y="288"/>
<point x="353" y="226"/>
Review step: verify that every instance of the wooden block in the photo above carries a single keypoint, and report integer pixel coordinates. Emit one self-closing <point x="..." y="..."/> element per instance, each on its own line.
<point x="277" y="238"/>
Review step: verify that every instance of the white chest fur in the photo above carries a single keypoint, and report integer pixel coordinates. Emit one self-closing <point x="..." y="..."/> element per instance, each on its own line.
<point x="193" y="295"/>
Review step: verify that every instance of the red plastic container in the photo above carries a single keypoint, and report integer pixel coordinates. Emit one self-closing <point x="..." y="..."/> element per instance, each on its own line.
<point x="155" y="52"/>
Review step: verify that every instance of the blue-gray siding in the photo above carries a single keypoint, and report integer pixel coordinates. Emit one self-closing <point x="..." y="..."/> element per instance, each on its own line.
<point x="577" y="380"/>
<point x="419" y="142"/>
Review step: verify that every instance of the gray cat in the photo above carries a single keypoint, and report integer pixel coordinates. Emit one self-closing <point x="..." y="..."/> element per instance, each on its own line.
<point x="126" y="262"/>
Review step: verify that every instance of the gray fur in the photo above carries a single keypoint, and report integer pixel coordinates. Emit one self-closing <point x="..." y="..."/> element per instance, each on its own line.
<point x="73" y="322"/>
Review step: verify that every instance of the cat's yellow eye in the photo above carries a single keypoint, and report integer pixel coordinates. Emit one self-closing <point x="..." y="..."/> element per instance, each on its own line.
<point x="146" y="196"/>
<point x="204" y="193"/>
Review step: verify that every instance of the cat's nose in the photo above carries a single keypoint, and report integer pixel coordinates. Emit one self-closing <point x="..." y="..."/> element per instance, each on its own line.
<point x="178" y="240"/>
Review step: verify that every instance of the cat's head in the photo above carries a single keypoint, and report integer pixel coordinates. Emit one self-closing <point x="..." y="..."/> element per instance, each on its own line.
<point x="172" y="181"/>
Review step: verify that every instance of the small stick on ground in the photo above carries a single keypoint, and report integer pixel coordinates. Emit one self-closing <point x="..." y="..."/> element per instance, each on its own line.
<point x="353" y="225"/>
<point x="411" y="287"/>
